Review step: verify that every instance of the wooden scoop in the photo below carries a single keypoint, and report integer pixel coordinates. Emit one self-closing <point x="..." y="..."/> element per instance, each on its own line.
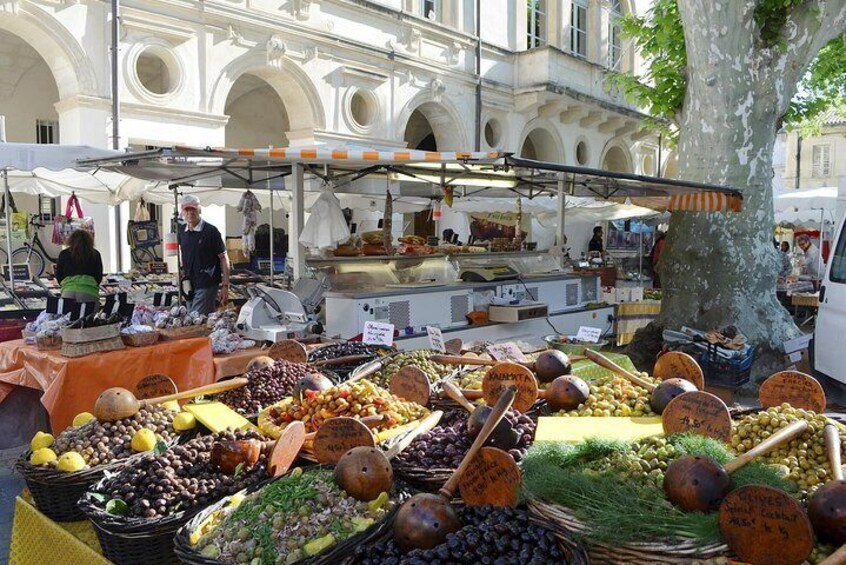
<point x="836" y="558"/>
<point x="155" y="385"/>
<point x="698" y="483"/>
<point x="425" y="519"/>
<point x="503" y="436"/>
<point x="411" y="384"/>
<point x="827" y="508"/>
<point x="661" y="394"/>
<point x="700" y="413"/>
<point x="367" y="369"/>
<point x="345" y="360"/>
<point x="563" y="393"/>
<point x="795" y="388"/>
<point x="766" y="526"/>
<point x="118" y="403"/>
<point x="289" y="350"/>
<point x="364" y="472"/>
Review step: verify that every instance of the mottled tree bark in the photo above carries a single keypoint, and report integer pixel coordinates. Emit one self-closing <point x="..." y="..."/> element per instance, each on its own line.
<point x="720" y="269"/>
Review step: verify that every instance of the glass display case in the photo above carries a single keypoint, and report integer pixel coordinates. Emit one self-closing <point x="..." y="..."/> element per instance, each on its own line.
<point x="525" y="263"/>
<point x="350" y="274"/>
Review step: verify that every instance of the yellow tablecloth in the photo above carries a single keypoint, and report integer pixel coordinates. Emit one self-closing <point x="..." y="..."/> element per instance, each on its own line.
<point x="631" y="316"/>
<point x="37" y="540"/>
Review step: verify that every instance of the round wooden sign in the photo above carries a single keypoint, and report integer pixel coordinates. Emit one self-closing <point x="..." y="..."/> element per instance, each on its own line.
<point x="287" y="448"/>
<point x="766" y="526"/>
<point x="492" y="477"/>
<point x="337" y="436"/>
<point x="698" y="412"/>
<point x="411" y="384"/>
<point x="153" y="386"/>
<point x="795" y="388"/>
<point x="453" y="346"/>
<point x="289" y="350"/>
<point x="678" y="365"/>
<point x="504" y="374"/>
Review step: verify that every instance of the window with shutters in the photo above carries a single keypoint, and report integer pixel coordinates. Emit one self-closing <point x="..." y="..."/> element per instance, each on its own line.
<point x="821" y="164"/>
<point x="578" y="27"/>
<point x="536" y="23"/>
<point x="431" y="9"/>
<point x="615" y="37"/>
<point x="46" y="131"/>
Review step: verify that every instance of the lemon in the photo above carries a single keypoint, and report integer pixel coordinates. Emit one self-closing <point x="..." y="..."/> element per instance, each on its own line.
<point x="42" y="456"/>
<point x="70" y="462"/>
<point x="82" y="418"/>
<point x="40" y="440"/>
<point x="172" y="405"/>
<point x="184" y="421"/>
<point x="144" y="440"/>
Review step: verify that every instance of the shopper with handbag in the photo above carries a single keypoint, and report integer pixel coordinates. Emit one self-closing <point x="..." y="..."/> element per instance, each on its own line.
<point x="79" y="269"/>
<point x="204" y="263"/>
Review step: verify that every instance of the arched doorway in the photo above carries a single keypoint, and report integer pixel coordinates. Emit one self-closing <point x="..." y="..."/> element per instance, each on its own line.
<point x="257" y="116"/>
<point x="541" y="145"/>
<point x="419" y="133"/>
<point x="616" y="160"/>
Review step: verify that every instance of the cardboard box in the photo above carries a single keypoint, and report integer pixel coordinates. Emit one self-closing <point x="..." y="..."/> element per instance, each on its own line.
<point x="797" y="354"/>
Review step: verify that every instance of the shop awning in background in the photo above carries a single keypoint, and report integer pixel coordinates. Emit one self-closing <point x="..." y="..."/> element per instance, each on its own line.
<point x="806" y="207"/>
<point x="31" y="156"/>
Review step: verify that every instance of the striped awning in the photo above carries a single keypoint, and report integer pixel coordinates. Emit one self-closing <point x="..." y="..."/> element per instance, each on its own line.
<point x="705" y="202"/>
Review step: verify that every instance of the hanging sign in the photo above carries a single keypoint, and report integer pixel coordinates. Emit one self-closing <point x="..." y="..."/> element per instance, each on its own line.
<point x="157" y="267"/>
<point x="20" y="270"/>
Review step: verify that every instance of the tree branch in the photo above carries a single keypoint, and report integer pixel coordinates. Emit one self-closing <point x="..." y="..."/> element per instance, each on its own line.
<point x="808" y="29"/>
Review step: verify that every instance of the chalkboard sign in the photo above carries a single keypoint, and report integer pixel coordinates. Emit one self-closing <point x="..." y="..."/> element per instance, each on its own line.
<point x="157" y="267"/>
<point x="20" y="270"/>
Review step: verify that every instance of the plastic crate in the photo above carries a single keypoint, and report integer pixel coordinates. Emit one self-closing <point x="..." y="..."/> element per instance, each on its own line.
<point x="727" y="373"/>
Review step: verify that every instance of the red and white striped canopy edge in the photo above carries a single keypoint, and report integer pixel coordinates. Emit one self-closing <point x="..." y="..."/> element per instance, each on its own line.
<point x="705" y="202"/>
<point x="339" y="155"/>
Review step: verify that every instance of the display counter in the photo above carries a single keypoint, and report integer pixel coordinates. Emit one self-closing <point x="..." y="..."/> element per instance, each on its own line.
<point x="414" y="292"/>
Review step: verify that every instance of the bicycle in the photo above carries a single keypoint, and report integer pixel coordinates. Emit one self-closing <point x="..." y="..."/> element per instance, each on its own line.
<point x="31" y="252"/>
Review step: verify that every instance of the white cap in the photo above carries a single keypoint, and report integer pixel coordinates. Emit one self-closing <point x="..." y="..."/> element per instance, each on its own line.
<point x="189" y="201"/>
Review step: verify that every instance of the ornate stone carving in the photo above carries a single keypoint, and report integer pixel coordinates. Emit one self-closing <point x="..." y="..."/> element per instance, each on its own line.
<point x="437" y="88"/>
<point x="276" y="49"/>
<point x="410" y="37"/>
<point x="453" y="52"/>
<point x="301" y="8"/>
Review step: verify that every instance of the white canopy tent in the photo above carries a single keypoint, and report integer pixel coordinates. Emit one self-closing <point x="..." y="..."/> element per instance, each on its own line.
<point x="806" y="207"/>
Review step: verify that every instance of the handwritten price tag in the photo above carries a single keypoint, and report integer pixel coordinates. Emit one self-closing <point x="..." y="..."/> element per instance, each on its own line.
<point x="588" y="334"/>
<point x="378" y="333"/>
<point x="506" y="351"/>
<point x="436" y="339"/>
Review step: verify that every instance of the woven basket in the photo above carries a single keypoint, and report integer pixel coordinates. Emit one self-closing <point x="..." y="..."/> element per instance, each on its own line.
<point x="140" y="339"/>
<point x="338" y="554"/>
<point x="48" y="343"/>
<point x="184" y="332"/>
<point x="85" y="335"/>
<point x="83" y="349"/>
<point x="680" y="550"/>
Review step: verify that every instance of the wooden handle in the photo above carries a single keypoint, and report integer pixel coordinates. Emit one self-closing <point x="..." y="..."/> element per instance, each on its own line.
<point x="832" y="450"/>
<point x="424" y="426"/>
<point x="367" y="370"/>
<point x="454" y="393"/>
<point x="604" y="361"/>
<point x="456" y="360"/>
<point x="782" y="436"/>
<point x="502" y="406"/>
<point x="213" y="388"/>
<point x="347" y="359"/>
<point x="836" y="558"/>
<point x="472" y="394"/>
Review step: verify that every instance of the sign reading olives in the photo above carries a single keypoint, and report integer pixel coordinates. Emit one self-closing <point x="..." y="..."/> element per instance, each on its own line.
<point x="794" y="388"/>
<point x="698" y="412"/>
<point x="505" y="374"/>
<point x="492" y="477"/>
<point x="337" y="436"/>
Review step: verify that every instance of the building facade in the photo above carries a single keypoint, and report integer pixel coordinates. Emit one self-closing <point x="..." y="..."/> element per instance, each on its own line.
<point x="386" y="74"/>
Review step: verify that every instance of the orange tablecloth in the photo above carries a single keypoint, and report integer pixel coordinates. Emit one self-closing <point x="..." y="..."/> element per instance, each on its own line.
<point x="235" y="363"/>
<point x="72" y="385"/>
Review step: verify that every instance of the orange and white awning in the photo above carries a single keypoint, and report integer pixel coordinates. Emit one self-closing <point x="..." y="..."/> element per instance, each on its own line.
<point x="705" y="202"/>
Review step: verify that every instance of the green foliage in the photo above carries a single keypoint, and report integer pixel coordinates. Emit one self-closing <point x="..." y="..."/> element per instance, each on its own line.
<point x="659" y="37"/>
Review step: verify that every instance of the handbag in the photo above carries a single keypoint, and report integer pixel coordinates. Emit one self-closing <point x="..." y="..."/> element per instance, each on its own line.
<point x="65" y="225"/>
<point x="144" y="234"/>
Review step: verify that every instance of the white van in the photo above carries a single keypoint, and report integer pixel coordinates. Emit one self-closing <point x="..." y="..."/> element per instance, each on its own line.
<point x="829" y="341"/>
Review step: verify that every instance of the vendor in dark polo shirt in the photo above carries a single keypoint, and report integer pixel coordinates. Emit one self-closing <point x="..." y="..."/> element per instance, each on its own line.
<point x="204" y="261"/>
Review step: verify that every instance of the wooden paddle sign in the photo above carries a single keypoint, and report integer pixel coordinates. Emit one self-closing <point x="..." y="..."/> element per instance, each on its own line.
<point x="287" y="448"/>
<point x="678" y="365"/>
<point x="411" y="384"/>
<point x="698" y="412"/>
<point x="492" y="477"/>
<point x="766" y="526"/>
<point x="453" y="346"/>
<point x="289" y="350"/>
<point x="337" y="436"/>
<point x="795" y="388"/>
<point x="155" y="385"/>
<point x="505" y="374"/>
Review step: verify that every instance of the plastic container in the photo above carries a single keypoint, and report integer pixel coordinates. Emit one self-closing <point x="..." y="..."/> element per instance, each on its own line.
<point x="573" y="348"/>
<point x="726" y="373"/>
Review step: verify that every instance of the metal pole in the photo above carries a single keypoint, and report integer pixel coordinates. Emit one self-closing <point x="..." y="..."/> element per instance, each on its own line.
<point x="822" y="238"/>
<point x="116" y="117"/>
<point x="562" y="205"/>
<point x="478" y="137"/>
<point x="175" y="190"/>
<point x="7" y="208"/>
<point x="296" y="251"/>
<point x="640" y="258"/>
<point x="272" y="250"/>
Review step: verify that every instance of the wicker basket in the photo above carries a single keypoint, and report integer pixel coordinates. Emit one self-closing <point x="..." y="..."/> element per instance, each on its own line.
<point x="86" y="335"/>
<point x="48" y="342"/>
<point x="83" y="349"/>
<point x="341" y="553"/>
<point x="184" y="332"/>
<point x="140" y="339"/>
<point x="680" y="550"/>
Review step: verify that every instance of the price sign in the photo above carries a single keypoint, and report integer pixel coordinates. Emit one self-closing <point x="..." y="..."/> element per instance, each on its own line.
<point x="795" y="388"/>
<point x="436" y="339"/>
<point x="698" y="412"/>
<point x="506" y="351"/>
<point x="157" y="267"/>
<point x="337" y="436"/>
<point x="20" y="270"/>
<point x="505" y="374"/>
<point x="588" y="334"/>
<point x="492" y="477"/>
<point x="378" y="333"/>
